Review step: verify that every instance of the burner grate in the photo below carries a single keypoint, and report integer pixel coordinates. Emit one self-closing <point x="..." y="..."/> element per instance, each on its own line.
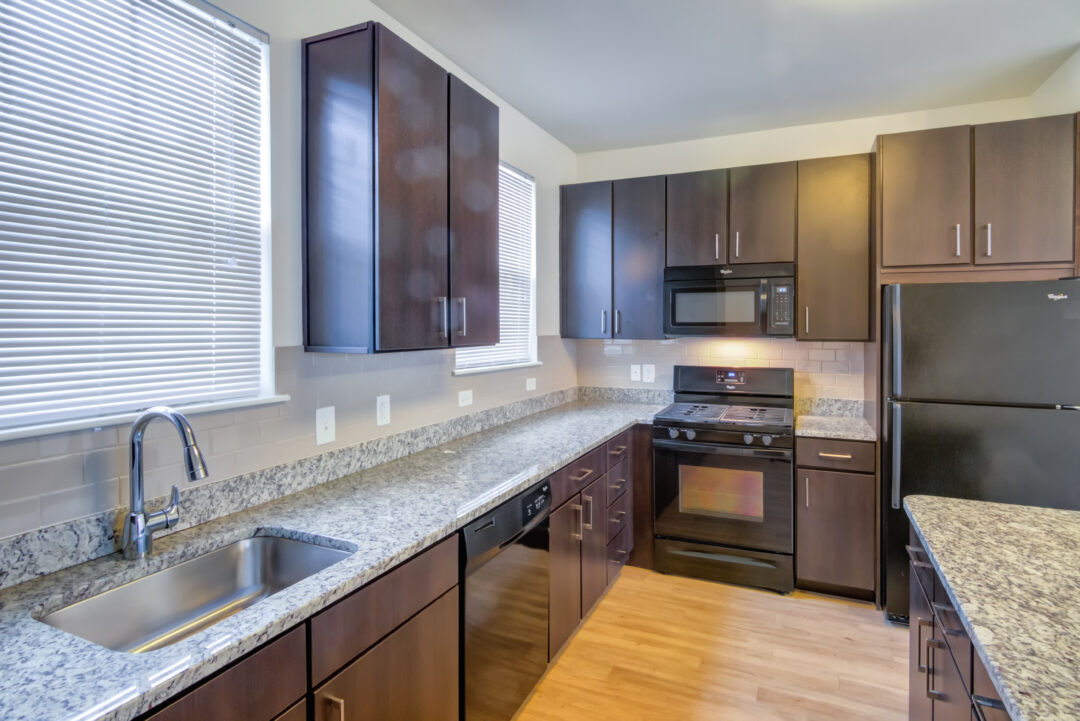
<point x="753" y="414"/>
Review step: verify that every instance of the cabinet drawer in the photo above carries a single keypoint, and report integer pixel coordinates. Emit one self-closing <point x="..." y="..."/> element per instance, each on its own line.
<point x="618" y="481"/>
<point x="620" y="515"/>
<point x="257" y="688"/>
<point x="618" y="552"/>
<point x="921" y="569"/>
<point x="346" y="629"/>
<point x="619" y="447"/>
<point x="573" y="477"/>
<point x="855" y="456"/>
<point x="948" y="620"/>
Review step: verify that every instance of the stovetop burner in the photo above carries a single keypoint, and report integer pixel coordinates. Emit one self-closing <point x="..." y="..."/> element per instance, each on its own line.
<point x="696" y="412"/>
<point x="752" y="415"/>
<point x="720" y="415"/>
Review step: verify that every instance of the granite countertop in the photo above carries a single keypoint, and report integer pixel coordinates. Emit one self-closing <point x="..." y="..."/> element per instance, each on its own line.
<point x="851" y="428"/>
<point x="1013" y="575"/>
<point x="385" y="514"/>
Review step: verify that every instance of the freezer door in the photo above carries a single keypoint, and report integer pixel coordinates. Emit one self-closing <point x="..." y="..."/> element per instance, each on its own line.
<point x="1010" y="343"/>
<point x="1027" y="456"/>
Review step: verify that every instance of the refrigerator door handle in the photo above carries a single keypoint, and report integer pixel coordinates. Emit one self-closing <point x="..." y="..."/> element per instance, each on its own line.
<point x="895" y="338"/>
<point x="894" y="447"/>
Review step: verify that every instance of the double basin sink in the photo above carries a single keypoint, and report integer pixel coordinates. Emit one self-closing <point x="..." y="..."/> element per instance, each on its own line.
<point x="176" y="602"/>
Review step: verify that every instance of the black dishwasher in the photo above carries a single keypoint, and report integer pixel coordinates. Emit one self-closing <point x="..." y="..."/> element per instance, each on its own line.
<point x="505" y="605"/>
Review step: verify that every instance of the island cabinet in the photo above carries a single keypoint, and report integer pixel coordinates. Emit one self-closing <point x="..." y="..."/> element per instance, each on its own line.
<point x="761" y="212"/>
<point x="612" y="257"/>
<point x="834" y="260"/>
<point x="592" y="533"/>
<point x="835" y="517"/>
<point x="400" y="180"/>
<point x="697" y="218"/>
<point x="946" y="678"/>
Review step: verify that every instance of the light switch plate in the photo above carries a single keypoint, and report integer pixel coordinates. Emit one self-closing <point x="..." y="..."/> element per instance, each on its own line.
<point x="382" y="411"/>
<point x="325" y="431"/>
<point x="530" y="384"/>
<point x="464" y="398"/>
<point x="648" y="373"/>
<point x="635" y="372"/>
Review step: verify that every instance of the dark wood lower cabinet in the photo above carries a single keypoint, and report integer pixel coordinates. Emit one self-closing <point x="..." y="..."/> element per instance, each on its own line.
<point x="411" y="675"/>
<point x="835" y="531"/>
<point x="920" y="630"/>
<point x="296" y="713"/>
<point x="594" y="542"/>
<point x="564" y="607"/>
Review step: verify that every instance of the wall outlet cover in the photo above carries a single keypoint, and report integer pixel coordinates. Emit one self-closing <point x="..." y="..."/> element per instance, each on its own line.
<point x="635" y="372"/>
<point x="325" y="431"/>
<point x="648" y="373"/>
<point x="382" y="410"/>
<point x="464" y="398"/>
<point x="530" y="384"/>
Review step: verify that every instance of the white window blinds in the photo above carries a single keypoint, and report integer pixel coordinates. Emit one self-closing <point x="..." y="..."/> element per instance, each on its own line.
<point x="133" y="215"/>
<point x="517" y="278"/>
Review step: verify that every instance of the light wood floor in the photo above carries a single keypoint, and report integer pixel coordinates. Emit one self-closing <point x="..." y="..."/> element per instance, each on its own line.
<point x="663" y="647"/>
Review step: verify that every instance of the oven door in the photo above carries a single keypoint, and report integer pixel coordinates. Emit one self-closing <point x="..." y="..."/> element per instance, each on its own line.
<point x="727" y="495"/>
<point x="736" y="307"/>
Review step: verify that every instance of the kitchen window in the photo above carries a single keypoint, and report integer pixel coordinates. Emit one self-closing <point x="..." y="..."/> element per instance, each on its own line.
<point x="134" y="223"/>
<point x="517" y="280"/>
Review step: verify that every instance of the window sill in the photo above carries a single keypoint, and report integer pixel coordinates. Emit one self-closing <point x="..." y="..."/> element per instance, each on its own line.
<point x="493" y="369"/>
<point x="48" y="429"/>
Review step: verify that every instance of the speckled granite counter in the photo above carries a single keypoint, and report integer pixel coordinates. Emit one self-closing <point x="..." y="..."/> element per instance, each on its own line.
<point x="851" y="428"/>
<point x="1013" y="575"/>
<point x="386" y="514"/>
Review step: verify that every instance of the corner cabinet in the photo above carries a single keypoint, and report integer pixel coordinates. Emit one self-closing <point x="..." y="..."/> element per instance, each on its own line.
<point x="834" y="268"/>
<point x="400" y="199"/>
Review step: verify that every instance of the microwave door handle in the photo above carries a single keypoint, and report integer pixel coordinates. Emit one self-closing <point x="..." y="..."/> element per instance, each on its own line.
<point x="708" y="449"/>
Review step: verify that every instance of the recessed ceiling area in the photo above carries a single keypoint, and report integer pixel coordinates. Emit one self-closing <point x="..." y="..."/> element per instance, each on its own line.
<point x="604" y="74"/>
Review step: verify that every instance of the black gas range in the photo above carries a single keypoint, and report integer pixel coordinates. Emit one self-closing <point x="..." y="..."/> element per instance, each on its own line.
<point x="723" y="475"/>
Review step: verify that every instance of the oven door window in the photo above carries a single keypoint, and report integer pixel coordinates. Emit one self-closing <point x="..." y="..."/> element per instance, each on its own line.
<point x="737" y="494"/>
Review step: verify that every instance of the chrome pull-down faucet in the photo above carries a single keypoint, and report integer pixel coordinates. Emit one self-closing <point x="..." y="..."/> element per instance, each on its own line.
<point x="139" y="526"/>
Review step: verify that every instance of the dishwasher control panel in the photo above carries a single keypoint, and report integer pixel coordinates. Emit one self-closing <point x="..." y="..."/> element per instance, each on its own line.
<point x="535" y="502"/>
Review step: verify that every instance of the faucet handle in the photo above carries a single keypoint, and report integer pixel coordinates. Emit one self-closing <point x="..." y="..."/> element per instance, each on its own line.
<point x="169" y="516"/>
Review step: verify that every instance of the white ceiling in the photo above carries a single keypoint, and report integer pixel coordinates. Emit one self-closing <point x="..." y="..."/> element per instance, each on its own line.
<point x="602" y="74"/>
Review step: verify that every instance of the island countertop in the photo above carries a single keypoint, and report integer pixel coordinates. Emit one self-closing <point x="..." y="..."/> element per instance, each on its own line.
<point x="384" y="514"/>
<point x="1013" y="576"/>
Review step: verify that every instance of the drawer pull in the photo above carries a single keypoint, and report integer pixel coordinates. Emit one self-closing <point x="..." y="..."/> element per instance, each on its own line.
<point x="923" y="623"/>
<point x="584" y="474"/>
<point x="835" y="456"/>
<point x="619" y="517"/>
<point x="912" y="553"/>
<point x="338" y="704"/>
<point x="618" y="451"/>
<point x="618" y="485"/>
<point x="984" y="702"/>
<point x="581" y="522"/>
<point x="946" y="608"/>
<point x="589" y="500"/>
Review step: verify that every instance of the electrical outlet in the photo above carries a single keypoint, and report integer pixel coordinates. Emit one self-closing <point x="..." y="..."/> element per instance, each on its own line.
<point x="635" y="372"/>
<point x="530" y="384"/>
<point x="324" y="425"/>
<point x="648" y="373"/>
<point x="464" y="398"/>
<point x="382" y="411"/>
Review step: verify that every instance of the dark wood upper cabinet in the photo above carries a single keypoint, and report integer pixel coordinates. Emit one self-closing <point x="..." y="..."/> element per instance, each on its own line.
<point x="697" y="218"/>
<point x="565" y="595"/>
<point x="585" y="257"/>
<point x="926" y="197"/>
<point x="835" y="530"/>
<point x="474" y="217"/>
<point x="638" y="258"/>
<point x="762" y="214"/>
<point x="411" y="268"/>
<point x="1025" y="200"/>
<point x="397" y="177"/>
<point x="833" y="294"/>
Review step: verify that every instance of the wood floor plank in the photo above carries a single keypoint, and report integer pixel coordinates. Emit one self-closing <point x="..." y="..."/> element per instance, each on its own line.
<point x="661" y="648"/>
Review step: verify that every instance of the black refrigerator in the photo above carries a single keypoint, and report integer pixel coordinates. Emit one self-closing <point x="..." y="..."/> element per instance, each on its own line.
<point x="981" y="386"/>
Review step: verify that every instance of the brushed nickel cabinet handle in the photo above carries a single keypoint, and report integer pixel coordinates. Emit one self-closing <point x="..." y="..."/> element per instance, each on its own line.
<point x="807" y="479"/>
<point x="618" y="485"/>
<point x="717" y="249"/>
<point x="584" y="474"/>
<point x="444" y="311"/>
<point x="984" y="702"/>
<point x="736" y="244"/>
<point x="619" y="517"/>
<point x="836" y="456"/>
<point x="617" y="451"/>
<point x="338" y="704"/>
<point x="989" y="240"/>
<point x="581" y="522"/>
<point x="588" y="524"/>
<point x="957" y="240"/>
<point x="464" y="317"/>
<point x="618" y="321"/>
<point x="808" y="320"/>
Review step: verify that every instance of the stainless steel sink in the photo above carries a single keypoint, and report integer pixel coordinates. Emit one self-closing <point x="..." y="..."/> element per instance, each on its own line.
<point x="172" y="604"/>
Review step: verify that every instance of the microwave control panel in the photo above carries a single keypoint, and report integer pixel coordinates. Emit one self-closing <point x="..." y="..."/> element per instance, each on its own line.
<point x="781" y="307"/>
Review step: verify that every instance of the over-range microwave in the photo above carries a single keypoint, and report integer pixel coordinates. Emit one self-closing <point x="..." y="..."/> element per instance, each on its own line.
<point x="755" y="299"/>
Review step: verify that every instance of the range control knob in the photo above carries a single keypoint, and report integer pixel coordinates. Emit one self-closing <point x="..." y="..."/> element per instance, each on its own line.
<point x="673" y="432"/>
<point x="766" y="440"/>
<point x="691" y="434"/>
<point x="748" y="439"/>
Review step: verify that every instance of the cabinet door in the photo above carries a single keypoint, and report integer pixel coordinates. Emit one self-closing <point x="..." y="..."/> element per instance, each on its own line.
<point x="926" y="197"/>
<point x="564" y="605"/>
<point x="763" y="214"/>
<point x="638" y="257"/>
<point x="834" y="249"/>
<point x="594" y="540"/>
<point x="586" y="260"/>
<point x="983" y="694"/>
<point x="835" y="529"/>
<point x="411" y="675"/>
<point x="920" y="632"/>
<point x="474" y="217"/>
<point x="1025" y="202"/>
<point x="697" y="218"/>
<point x="411" y="271"/>
<point x="951" y="702"/>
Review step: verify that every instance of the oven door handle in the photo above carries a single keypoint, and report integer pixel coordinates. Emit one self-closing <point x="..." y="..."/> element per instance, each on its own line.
<point x="784" y="453"/>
